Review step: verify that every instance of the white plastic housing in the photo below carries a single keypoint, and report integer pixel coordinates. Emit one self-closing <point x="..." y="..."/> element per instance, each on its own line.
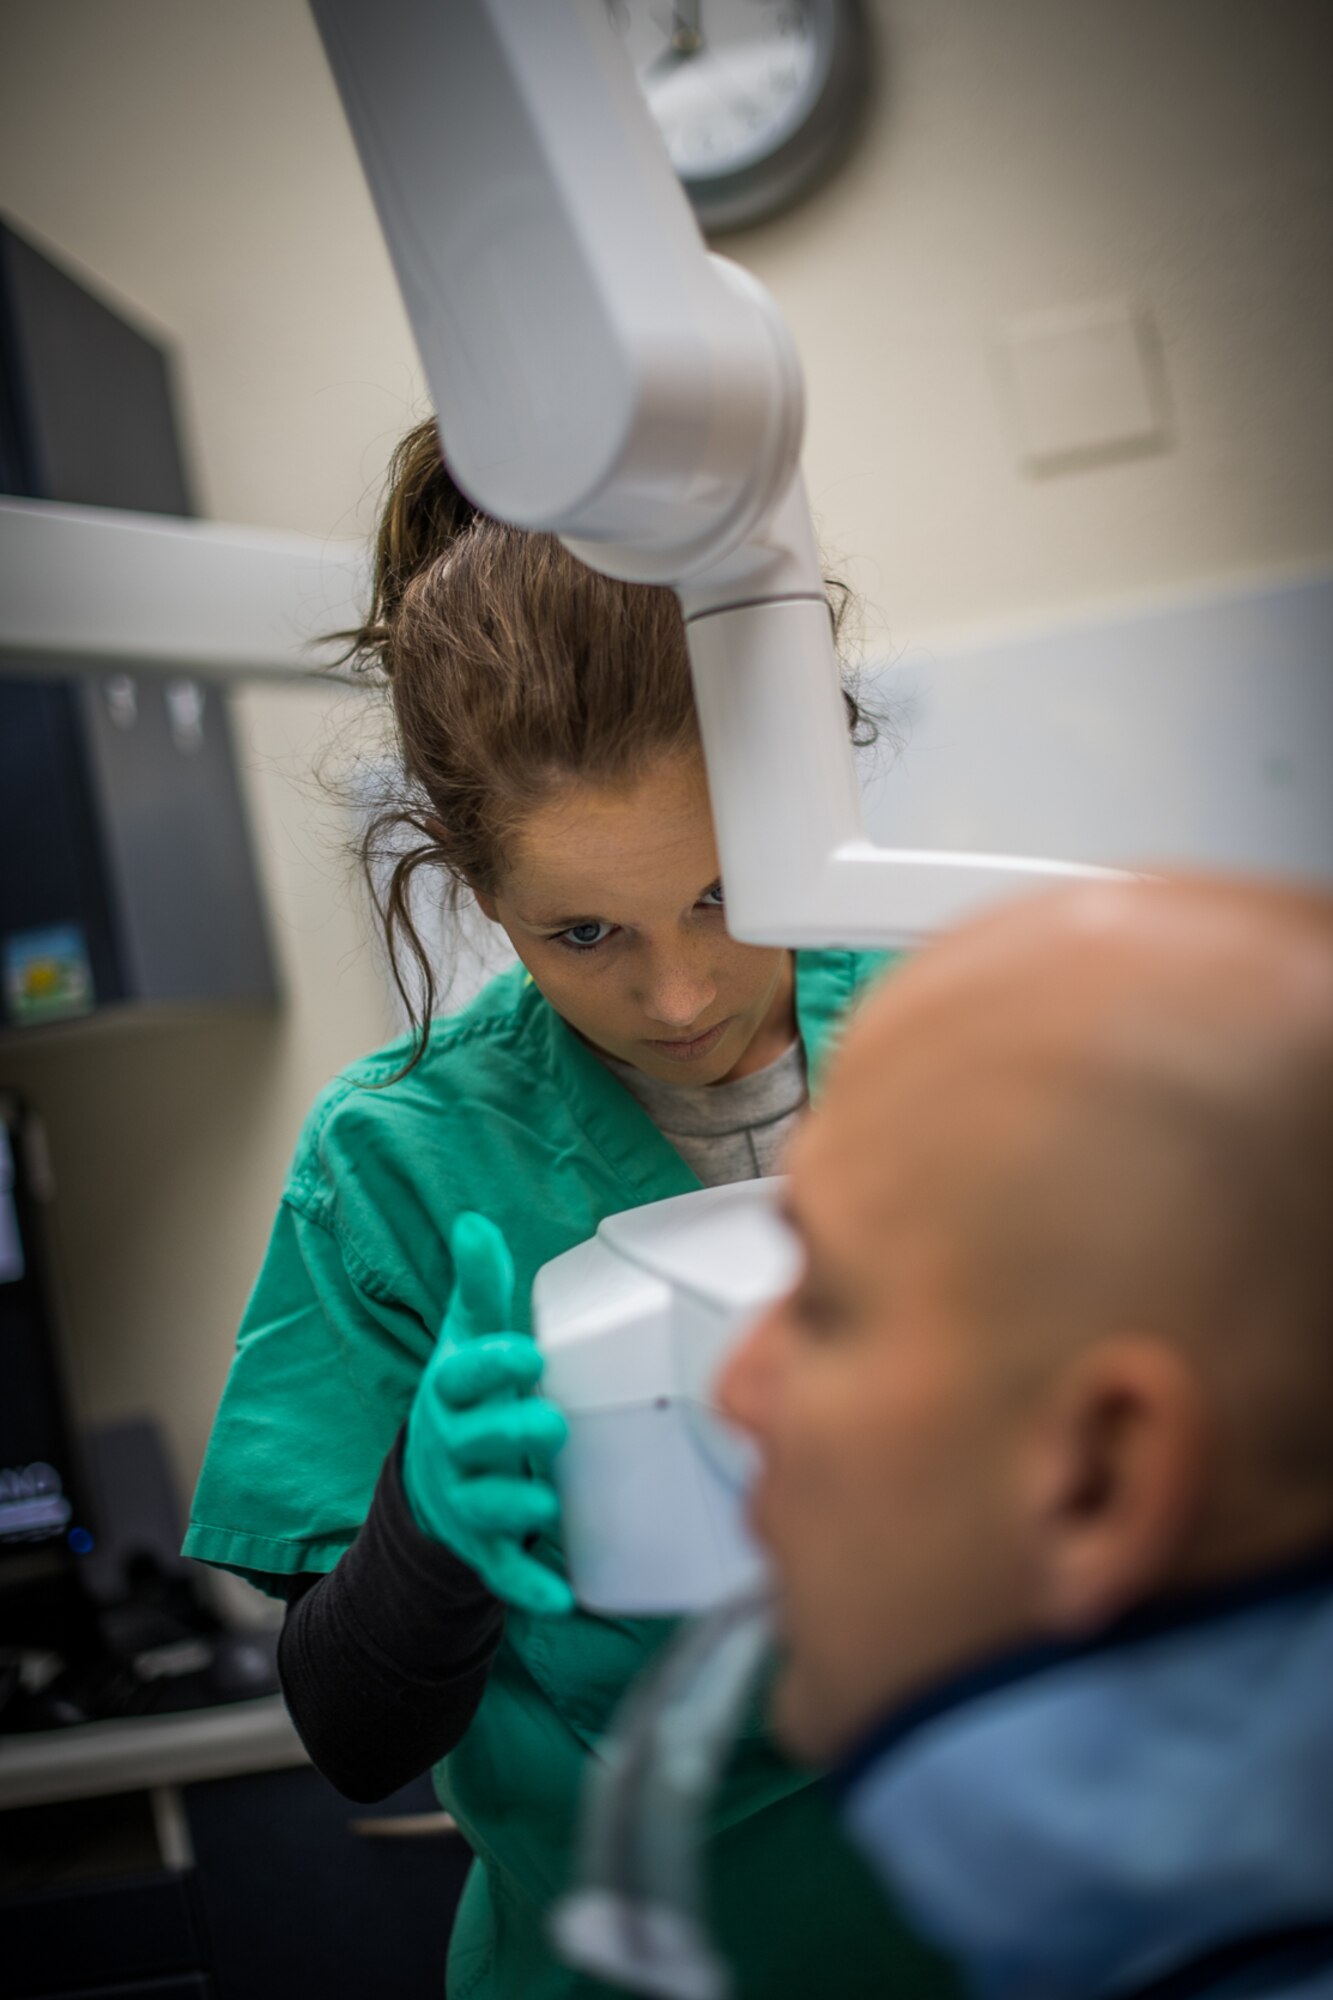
<point x="634" y="1326"/>
<point x="594" y="372"/>
<point x="798" y="866"/>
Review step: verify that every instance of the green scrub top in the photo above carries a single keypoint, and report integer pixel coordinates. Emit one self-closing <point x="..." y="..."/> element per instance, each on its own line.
<point x="509" y="1113"/>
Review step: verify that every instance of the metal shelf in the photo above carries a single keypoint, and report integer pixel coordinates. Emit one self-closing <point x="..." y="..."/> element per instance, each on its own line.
<point x="96" y="1758"/>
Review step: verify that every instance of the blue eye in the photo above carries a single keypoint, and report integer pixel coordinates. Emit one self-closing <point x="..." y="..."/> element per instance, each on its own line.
<point x="584" y="937"/>
<point x="713" y="897"/>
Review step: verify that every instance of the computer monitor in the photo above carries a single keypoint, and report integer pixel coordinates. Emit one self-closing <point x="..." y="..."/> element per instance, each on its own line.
<point x="44" y="1526"/>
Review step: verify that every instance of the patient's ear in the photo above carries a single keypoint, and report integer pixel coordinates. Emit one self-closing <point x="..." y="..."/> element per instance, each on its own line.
<point x="1113" y="1481"/>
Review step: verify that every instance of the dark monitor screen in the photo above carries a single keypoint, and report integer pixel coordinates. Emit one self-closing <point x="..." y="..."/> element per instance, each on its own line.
<point x="86" y="403"/>
<point x="39" y="1502"/>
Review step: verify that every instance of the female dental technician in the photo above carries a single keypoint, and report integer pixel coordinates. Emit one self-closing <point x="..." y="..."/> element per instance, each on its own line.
<point x="378" y="1459"/>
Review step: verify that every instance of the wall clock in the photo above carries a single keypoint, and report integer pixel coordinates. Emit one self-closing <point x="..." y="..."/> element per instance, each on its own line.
<point x="758" y="100"/>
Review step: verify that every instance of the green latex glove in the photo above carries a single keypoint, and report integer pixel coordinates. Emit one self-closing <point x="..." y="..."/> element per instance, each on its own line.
<point x="476" y="1463"/>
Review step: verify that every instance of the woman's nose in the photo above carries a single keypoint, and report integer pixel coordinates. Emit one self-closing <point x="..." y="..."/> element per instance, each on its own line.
<point x="678" y="993"/>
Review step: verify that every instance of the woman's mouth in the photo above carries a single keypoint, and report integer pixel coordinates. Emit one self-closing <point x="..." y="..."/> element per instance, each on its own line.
<point x="696" y="1046"/>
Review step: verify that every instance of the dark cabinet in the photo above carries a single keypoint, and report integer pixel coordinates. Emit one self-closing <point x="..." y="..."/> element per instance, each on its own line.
<point x="285" y="1896"/>
<point x="126" y="1936"/>
<point x="126" y="872"/>
<point x="298" y="1901"/>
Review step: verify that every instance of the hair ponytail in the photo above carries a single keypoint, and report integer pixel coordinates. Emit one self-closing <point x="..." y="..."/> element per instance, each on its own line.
<point x="423" y="515"/>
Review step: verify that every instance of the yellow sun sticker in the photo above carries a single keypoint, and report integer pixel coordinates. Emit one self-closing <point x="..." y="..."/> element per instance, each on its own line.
<point x="47" y="975"/>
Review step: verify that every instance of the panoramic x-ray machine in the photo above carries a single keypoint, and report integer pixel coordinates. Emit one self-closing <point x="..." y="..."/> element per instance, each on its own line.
<point x="597" y="374"/>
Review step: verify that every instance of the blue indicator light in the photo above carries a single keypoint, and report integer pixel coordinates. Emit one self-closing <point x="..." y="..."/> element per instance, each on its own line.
<point x="80" y="1541"/>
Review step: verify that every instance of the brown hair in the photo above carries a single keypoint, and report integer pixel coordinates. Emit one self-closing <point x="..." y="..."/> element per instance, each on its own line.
<point x="511" y="668"/>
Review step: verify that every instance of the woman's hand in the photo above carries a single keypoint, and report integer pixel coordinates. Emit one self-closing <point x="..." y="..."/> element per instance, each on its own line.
<point x="479" y="1443"/>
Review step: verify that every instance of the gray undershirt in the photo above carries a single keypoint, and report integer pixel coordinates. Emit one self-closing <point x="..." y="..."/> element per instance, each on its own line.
<point x="726" y="1131"/>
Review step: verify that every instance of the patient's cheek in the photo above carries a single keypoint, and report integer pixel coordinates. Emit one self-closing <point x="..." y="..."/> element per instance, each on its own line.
<point x="794" y="1714"/>
<point x="818" y="1702"/>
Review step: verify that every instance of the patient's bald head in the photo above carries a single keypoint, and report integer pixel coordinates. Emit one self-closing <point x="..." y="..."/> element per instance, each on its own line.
<point x="1124" y="1095"/>
<point x="1065" y="1338"/>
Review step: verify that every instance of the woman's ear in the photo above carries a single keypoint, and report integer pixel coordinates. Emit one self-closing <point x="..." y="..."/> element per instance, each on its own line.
<point x="1116" y="1474"/>
<point x="487" y="905"/>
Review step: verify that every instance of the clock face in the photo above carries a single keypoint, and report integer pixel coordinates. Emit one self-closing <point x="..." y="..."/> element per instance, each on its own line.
<point x="730" y="89"/>
<point x="756" y="99"/>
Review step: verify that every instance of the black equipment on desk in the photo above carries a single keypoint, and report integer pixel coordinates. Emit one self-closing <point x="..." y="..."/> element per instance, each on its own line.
<point x="99" y="1613"/>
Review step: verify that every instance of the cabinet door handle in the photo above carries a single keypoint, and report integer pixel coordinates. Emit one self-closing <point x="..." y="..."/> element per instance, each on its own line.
<point x="404" y="1826"/>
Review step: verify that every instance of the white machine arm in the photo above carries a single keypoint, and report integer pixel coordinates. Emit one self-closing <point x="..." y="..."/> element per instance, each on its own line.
<point x="593" y="372"/>
<point x="598" y="375"/>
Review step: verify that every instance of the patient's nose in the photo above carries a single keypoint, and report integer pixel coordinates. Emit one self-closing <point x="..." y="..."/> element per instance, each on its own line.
<point x="746" y="1382"/>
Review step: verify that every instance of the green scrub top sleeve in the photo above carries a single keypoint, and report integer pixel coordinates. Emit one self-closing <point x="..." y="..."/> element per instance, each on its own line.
<point x="325" y="1369"/>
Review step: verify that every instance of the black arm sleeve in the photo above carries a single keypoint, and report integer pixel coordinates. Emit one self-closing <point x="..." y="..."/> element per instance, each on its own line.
<point x="383" y="1662"/>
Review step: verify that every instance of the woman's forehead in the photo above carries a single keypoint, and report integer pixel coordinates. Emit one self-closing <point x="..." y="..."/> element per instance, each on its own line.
<point x="594" y="844"/>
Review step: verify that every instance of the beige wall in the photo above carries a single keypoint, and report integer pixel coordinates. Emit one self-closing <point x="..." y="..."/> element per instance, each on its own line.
<point x="191" y="158"/>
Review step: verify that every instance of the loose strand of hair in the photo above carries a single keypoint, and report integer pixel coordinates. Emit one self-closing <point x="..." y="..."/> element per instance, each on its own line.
<point x="393" y="904"/>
